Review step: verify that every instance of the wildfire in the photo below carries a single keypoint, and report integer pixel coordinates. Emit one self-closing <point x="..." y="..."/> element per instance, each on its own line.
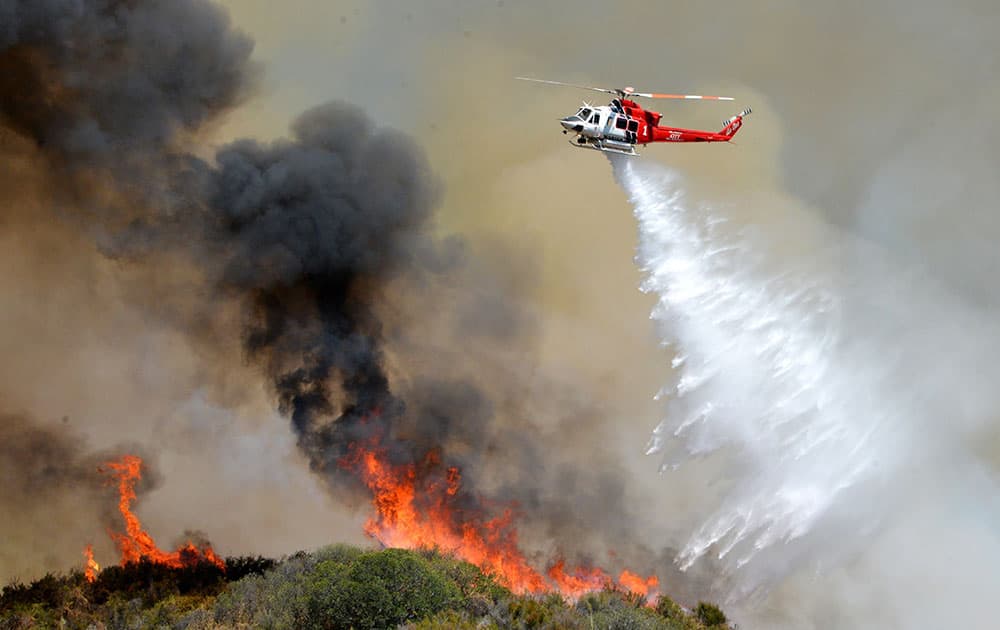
<point x="647" y="587"/>
<point x="91" y="568"/>
<point x="136" y="544"/>
<point x="419" y="506"/>
<point x="579" y="580"/>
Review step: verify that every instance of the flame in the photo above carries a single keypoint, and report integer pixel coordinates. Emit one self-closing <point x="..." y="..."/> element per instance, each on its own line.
<point x="647" y="587"/>
<point x="403" y="521"/>
<point x="579" y="580"/>
<point x="91" y="568"/>
<point x="418" y="505"/>
<point x="136" y="544"/>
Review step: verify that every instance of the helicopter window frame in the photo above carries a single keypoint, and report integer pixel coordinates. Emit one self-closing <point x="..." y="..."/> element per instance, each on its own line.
<point x="584" y="113"/>
<point x="621" y="123"/>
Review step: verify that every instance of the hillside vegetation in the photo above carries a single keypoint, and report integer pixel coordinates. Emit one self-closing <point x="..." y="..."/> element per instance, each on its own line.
<point x="333" y="588"/>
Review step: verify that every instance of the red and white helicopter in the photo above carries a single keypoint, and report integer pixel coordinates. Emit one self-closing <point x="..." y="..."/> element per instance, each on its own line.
<point x="622" y="124"/>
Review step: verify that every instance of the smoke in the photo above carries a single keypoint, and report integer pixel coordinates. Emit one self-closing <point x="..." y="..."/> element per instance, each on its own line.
<point x="54" y="497"/>
<point x="834" y="395"/>
<point x="321" y="248"/>
<point x="875" y="117"/>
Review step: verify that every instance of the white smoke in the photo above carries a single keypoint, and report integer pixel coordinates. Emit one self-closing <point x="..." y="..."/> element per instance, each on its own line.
<point x="826" y="395"/>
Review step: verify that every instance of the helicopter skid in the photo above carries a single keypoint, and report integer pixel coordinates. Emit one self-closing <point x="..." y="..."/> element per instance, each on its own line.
<point x="597" y="145"/>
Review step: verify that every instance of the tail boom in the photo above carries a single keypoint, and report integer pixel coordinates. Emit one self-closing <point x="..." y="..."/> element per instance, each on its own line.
<point x="675" y="134"/>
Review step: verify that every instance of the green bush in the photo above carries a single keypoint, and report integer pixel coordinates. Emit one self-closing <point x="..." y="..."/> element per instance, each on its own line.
<point x="529" y="611"/>
<point x="277" y="598"/>
<point x="470" y="579"/>
<point x="170" y="611"/>
<point x="709" y="614"/>
<point x="334" y="587"/>
<point x="450" y="620"/>
<point x="615" y="610"/>
<point x="339" y="553"/>
<point x="672" y="611"/>
<point x="272" y="601"/>
<point x="378" y="590"/>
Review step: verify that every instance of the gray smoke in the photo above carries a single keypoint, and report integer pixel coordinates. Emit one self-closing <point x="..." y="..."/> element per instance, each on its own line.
<point x="55" y="499"/>
<point x="315" y="238"/>
<point x="877" y="117"/>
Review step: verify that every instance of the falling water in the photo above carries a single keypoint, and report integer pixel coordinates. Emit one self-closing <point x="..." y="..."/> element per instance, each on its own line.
<point x="811" y="393"/>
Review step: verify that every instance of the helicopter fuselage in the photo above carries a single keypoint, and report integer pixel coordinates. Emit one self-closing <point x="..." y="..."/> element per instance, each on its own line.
<point x="622" y="124"/>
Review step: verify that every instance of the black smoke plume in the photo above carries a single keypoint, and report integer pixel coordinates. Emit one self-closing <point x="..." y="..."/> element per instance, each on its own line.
<point x="308" y="234"/>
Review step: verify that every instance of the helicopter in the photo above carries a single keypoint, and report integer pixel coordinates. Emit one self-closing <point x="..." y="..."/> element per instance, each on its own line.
<point x="622" y="124"/>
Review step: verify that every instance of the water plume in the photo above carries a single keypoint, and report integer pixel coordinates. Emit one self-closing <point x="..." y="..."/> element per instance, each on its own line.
<point x="815" y="385"/>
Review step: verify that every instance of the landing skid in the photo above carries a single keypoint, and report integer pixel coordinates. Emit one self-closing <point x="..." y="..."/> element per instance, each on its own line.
<point x="596" y="145"/>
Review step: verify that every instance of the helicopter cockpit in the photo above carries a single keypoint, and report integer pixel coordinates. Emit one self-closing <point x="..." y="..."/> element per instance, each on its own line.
<point x="584" y="116"/>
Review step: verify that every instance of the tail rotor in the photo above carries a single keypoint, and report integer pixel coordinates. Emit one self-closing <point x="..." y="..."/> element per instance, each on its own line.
<point x="731" y="125"/>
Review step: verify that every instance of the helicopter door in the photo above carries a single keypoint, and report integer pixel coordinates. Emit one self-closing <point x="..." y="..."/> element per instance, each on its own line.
<point x="621" y="128"/>
<point x="633" y="131"/>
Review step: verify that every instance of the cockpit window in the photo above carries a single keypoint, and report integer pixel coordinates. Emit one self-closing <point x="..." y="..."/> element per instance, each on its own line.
<point x="584" y="113"/>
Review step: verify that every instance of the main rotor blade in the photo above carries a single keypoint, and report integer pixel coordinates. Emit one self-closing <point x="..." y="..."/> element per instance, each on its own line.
<point x="629" y="92"/>
<point x="582" y="87"/>
<point x="696" y="97"/>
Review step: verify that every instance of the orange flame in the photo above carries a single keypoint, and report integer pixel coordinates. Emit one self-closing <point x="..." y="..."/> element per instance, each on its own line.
<point x="419" y="506"/>
<point x="579" y="580"/>
<point x="647" y="587"/>
<point x="136" y="544"/>
<point x="91" y="568"/>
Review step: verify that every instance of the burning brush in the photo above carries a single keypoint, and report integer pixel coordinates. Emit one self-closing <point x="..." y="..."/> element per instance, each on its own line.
<point x="416" y="506"/>
<point x="136" y="544"/>
<point x="420" y="506"/>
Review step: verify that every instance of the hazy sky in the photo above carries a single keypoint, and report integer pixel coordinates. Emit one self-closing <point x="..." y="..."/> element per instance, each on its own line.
<point x="876" y="118"/>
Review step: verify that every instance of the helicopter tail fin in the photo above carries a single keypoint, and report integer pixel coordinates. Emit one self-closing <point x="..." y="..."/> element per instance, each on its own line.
<point x="732" y="125"/>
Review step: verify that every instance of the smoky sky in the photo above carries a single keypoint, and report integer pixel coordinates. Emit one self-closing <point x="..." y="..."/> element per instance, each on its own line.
<point x="54" y="496"/>
<point x="314" y="237"/>
<point x="876" y="117"/>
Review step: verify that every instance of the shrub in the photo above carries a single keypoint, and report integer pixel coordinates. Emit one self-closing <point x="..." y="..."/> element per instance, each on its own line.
<point x="274" y="600"/>
<point x="340" y="554"/>
<point x="152" y="582"/>
<point x="48" y="591"/>
<point x="239" y="568"/>
<point x="528" y="612"/>
<point x="378" y="590"/>
<point x="669" y="609"/>
<point x="449" y="620"/>
<point x="470" y="579"/>
<point x="709" y="614"/>
<point x="278" y="597"/>
<point x="615" y="610"/>
<point x="171" y="611"/>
